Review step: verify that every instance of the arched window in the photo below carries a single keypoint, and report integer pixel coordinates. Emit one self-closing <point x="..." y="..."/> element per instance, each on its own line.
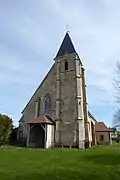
<point x="47" y="109"/>
<point x="66" y="65"/>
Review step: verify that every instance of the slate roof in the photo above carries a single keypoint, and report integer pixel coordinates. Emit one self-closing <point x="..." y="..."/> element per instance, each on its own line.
<point x="90" y="115"/>
<point x="44" y="119"/>
<point x="66" y="46"/>
<point x="101" y="127"/>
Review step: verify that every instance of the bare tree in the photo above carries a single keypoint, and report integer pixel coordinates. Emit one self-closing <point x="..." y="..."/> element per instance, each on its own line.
<point x="117" y="82"/>
<point x="116" y="118"/>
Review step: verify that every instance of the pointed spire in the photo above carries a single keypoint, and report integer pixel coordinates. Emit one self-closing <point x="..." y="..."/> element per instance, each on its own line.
<point x="66" y="46"/>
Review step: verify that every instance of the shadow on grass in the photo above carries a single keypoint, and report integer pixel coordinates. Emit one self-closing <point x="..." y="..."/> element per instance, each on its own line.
<point x="104" y="159"/>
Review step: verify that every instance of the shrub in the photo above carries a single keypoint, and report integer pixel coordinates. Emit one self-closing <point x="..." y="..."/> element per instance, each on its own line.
<point x="5" y="129"/>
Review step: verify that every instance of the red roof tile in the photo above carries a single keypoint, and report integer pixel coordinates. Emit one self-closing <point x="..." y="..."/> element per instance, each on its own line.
<point x="101" y="127"/>
<point x="44" y="119"/>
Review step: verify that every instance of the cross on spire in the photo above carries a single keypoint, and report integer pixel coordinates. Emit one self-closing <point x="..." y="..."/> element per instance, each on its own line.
<point x="67" y="29"/>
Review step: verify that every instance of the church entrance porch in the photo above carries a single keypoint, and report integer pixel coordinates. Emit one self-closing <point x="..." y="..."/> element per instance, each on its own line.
<point x="37" y="136"/>
<point x="40" y="132"/>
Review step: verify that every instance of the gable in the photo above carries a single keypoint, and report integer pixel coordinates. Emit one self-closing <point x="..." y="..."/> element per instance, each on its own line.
<point x="44" y="88"/>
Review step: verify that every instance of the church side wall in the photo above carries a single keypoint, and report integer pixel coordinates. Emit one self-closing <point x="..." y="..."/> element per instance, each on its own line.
<point x="90" y="129"/>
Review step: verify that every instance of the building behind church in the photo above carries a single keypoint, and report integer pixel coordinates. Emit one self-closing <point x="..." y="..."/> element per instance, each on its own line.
<point x="57" y="114"/>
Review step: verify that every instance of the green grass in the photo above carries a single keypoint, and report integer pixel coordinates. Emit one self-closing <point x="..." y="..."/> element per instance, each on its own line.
<point x="98" y="163"/>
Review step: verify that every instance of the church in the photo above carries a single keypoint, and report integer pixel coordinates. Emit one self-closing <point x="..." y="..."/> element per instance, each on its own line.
<point x="57" y="114"/>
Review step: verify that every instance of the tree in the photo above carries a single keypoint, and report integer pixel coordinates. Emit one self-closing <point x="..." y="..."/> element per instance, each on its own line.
<point x="13" y="136"/>
<point x="117" y="82"/>
<point x="116" y="118"/>
<point x="5" y="128"/>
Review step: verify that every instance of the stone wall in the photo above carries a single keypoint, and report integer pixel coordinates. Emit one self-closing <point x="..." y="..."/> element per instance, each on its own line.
<point x="106" y="136"/>
<point x="65" y="89"/>
<point x="68" y="106"/>
<point x="68" y="131"/>
<point x="48" y="86"/>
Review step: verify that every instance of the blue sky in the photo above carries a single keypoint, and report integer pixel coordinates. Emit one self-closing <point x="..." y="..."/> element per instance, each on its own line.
<point x="30" y="34"/>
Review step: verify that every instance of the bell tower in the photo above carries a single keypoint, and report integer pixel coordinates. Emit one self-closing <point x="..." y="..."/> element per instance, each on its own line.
<point x="70" y="124"/>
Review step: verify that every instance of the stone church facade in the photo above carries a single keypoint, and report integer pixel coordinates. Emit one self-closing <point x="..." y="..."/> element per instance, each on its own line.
<point x="57" y="114"/>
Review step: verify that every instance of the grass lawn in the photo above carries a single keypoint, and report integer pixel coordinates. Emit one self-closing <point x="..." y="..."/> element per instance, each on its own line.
<point x="97" y="163"/>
